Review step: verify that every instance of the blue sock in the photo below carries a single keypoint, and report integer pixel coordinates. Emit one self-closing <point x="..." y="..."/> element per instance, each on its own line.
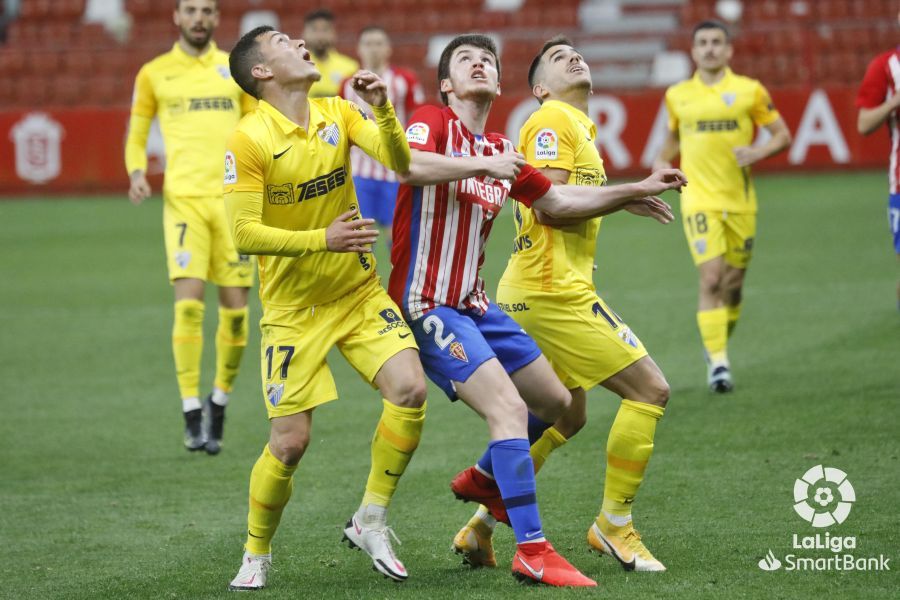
<point x="536" y="428"/>
<point x="514" y="473"/>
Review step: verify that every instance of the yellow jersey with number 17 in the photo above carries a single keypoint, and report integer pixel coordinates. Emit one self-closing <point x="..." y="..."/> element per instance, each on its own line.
<point x="711" y="121"/>
<point x="198" y="104"/>
<point x="284" y="185"/>
<point x="558" y="136"/>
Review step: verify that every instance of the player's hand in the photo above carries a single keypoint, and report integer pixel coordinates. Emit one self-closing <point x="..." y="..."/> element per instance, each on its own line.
<point x="503" y="166"/>
<point x="745" y="156"/>
<point x="653" y="207"/>
<point x="662" y="180"/>
<point x="369" y="87"/>
<point x="139" y="190"/>
<point x="349" y="233"/>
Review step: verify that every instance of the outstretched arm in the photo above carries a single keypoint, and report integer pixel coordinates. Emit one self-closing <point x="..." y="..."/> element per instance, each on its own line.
<point x="431" y="168"/>
<point x="385" y="140"/>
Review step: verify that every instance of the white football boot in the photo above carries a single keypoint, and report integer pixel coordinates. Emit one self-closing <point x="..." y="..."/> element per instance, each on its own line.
<point x="719" y="378"/>
<point x="253" y="573"/>
<point x="375" y="540"/>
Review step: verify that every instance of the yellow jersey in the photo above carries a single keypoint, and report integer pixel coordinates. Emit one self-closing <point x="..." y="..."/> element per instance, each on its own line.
<point x="284" y="185"/>
<point x="559" y="136"/>
<point x="198" y="104"/>
<point x="334" y="69"/>
<point x="712" y="120"/>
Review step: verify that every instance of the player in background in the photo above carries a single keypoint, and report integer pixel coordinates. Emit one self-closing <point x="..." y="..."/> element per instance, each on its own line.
<point x="198" y="104"/>
<point x="291" y="201"/>
<point x="877" y="100"/>
<point x="320" y="35"/>
<point x="376" y="186"/>
<point x="711" y="121"/>
<point x="548" y="289"/>
<point x="459" y="179"/>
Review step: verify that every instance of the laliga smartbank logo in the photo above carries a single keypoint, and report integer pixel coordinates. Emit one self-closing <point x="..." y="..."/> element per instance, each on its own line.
<point x="823" y="497"/>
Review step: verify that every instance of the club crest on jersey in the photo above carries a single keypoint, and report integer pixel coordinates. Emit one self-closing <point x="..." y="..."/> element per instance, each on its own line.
<point x="458" y="352"/>
<point x="183" y="259"/>
<point x="728" y="98"/>
<point x="417" y="133"/>
<point x="223" y="71"/>
<point x="331" y="134"/>
<point x="230" y="168"/>
<point x="274" y="391"/>
<point x="546" y="145"/>
<point x="700" y="246"/>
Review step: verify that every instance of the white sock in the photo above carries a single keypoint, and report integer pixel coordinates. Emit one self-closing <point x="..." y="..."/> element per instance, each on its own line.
<point x="617" y="520"/>
<point x="189" y="404"/>
<point x="372" y="514"/>
<point x="485" y="515"/>
<point x="219" y="397"/>
<point x="483" y="472"/>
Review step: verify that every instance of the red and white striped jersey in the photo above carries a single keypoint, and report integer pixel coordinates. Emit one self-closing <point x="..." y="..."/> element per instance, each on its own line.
<point x="882" y="80"/>
<point x="440" y="230"/>
<point x="406" y="94"/>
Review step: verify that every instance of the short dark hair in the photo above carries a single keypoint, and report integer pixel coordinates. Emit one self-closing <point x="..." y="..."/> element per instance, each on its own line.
<point x="467" y="39"/>
<point x="711" y="24"/>
<point x="322" y="14"/>
<point x="178" y="4"/>
<point x="559" y="40"/>
<point x="244" y="56"/>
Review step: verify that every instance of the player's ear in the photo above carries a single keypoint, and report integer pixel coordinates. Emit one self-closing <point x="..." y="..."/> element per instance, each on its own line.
<point x="499" y="91"/>
<point x="539" y="91"/>
<point x="261" y="71"/>
<point x="446" y="86"/>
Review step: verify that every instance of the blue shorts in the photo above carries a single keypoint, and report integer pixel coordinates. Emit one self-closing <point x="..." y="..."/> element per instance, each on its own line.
<point x="376" y="199"/>
<point x="894" y="219"/>
<point x="454" y="343"/>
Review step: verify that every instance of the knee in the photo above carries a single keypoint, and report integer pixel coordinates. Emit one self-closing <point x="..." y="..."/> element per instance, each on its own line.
<point x="710" y="284"/>
<point x="571" y="423"/>
<point x="289" y="447"/>
<point x="657" y="392"/>
<point x="409" y="393"/>
<point x="508" y="411"/>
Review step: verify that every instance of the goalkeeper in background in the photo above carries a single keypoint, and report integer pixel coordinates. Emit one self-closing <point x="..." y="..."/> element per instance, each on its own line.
<point x="191" y="91"/>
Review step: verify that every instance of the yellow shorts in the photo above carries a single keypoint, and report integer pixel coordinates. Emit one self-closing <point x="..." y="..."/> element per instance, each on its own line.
<point x="584" y="340"/>
<point x="365" y="325"/>
<point x="711" y="234"/>
<point x="199" y="243"/>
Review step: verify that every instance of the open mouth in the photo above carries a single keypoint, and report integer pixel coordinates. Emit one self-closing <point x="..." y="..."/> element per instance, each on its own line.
<point x="576" y="69"/>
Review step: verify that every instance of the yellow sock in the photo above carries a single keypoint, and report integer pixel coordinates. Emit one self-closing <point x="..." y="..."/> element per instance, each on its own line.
<point x="396" y="438"/>
<point x="734" y="313"/>
<point x="549" y="441"/>
<point x="271" y="483"/>
<point x="231" y="339"/>
<point x="628" y="450"/>
<point x="713" y="326"/>
<point x="187" y="346"/>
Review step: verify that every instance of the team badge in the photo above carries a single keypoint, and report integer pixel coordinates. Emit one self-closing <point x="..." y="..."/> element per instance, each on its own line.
<point x="700" y="246"/>
<point x="183" y="259"/>
<point x="458" y="352"/>
<point x="223" y="71"/>
<point x="546" y="145"/>
<point x="728" y="98"/>
<point x="230" y="168"/>
<point x="417" y="133"/>
<point x="628" y="337"/>
<point x="330" y="134"/>
<point x="274" y="391"/>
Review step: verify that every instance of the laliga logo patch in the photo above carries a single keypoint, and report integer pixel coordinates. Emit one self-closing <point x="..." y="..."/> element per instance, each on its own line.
<point x="814" y="495"/>
<point x="417" y="133"/>
<point x="330" y="134"/>
<point x="274" y="392"/>
<point x="546" y="145"/>
<point x="183" y="259"/>
<point x="230" y="168"/>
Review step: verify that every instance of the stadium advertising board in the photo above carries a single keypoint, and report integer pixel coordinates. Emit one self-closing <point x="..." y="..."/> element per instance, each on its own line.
<point x="82" y="149"/>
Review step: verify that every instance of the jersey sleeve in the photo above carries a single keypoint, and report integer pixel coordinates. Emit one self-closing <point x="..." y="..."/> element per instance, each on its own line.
<point x="383" y="140"/>
<point x="244" y="191"/>
<point x="673" y="116"/>
<point x="530" y="185"/>
<point x="873" y="90"/>
<point x="425" y="129"/>
<point x="550" y="140"/>
<point x="763" y="111"/>
<point x="143" y="109"/>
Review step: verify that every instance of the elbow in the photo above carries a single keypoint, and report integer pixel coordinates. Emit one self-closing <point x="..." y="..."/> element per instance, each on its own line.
<point x="241" y="238"/>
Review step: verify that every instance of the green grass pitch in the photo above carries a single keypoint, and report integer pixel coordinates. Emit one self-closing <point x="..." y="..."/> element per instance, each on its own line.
<point x="98" y="499"/>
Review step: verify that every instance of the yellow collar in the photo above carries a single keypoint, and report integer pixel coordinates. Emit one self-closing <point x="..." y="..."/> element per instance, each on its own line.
<point x="725" y="78"/>
<point x="286" y="125"/>
<point x="206" y="58"/>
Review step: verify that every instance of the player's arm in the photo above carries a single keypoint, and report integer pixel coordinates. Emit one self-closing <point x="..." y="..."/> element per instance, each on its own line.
<point x="573" y="201"/>
<point x="870" y="119"/>
<point x="669" y="151"/>
<point x="385" y="141"/>
<point x="764" y="114"/>
<point x="431" y="168"/>
<point x="143" y="109"/>
<point x="244" y="191"/>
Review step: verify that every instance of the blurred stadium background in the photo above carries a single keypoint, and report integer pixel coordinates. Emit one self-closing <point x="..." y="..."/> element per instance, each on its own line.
<point x="74" y="61"/>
